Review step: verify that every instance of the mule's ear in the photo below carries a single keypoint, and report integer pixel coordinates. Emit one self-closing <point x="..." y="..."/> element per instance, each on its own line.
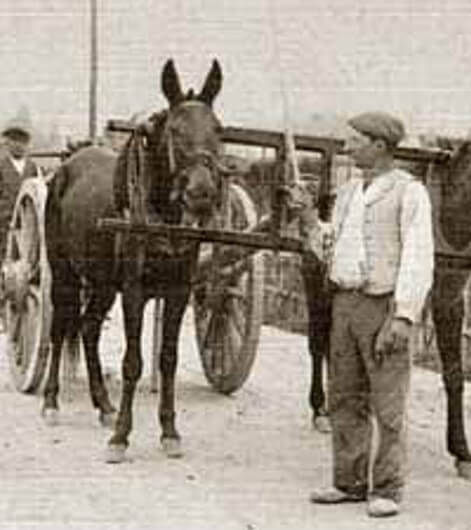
<point x="212" y="84"/>
<point x="171" y="83"/>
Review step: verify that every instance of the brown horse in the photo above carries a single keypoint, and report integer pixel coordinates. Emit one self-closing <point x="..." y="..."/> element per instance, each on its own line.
<point x="452" y="207"/>
<point x="168" y="172"/>
<point x="259" y="182"/>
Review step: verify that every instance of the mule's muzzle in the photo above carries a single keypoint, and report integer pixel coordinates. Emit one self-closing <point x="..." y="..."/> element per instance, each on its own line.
<point x="200" y="200"/>
<point x="200" y="189"/>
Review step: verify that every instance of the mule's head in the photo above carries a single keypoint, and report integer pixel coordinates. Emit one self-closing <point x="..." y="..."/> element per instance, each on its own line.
<point x="190" y="144"/>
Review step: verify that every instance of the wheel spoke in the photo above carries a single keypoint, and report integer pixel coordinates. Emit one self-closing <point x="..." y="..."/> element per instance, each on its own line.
<point x="233" y="345"/>
<point x="14" y="331"/>
<point x="35" y="273"/>
<point x="228" y="337"/>
<point x="29" y="324"/>
<point x="27" y="236"/>
<point x="206" y="330"/>
<point x="34" y="294"/>
<point x="237" y="316"/>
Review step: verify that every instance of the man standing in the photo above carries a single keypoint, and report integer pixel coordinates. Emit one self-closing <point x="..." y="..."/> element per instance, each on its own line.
<point x="15" y="166"/>
<point x="381" y="272"/>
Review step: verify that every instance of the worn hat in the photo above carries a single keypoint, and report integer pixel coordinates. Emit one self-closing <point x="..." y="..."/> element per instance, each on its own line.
<point x="17" y="125"/>
<point x="379" y="125"/>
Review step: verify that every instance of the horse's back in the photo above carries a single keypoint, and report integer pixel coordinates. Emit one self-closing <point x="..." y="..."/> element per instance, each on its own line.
<point x="80" y="193"/>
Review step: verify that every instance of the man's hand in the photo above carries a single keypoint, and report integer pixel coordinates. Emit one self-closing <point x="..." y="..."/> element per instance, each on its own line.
<point x="393" y="337"/>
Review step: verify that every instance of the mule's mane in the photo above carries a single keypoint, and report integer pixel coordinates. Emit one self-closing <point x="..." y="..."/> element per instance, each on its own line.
<point x="123" y="165"/>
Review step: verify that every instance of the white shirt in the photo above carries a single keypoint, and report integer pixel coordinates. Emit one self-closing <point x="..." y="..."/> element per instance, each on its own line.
<point x="348" y="260"/>
<point x="415" y="274"/>
<point x="19" y="164"/>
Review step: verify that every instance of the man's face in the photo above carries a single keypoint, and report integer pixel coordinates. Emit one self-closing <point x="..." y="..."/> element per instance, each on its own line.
<point x="17" y="144"/>
<point x="362" y="149"/>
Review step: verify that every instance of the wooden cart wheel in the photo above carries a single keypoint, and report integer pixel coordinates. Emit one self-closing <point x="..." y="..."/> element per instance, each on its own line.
<point x="228" y="316"/>
<point x="27" y="279"/>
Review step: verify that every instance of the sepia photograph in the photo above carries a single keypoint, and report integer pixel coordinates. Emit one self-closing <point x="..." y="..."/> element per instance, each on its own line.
<point x="235" y="251"/>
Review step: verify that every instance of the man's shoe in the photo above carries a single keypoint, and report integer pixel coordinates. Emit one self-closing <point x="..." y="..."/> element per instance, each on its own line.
<point x="334" y="496"/>
<point x="381" y="507"/>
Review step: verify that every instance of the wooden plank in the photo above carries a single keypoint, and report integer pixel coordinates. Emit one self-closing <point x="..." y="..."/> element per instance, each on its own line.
<point x="228" y="237"/>
<point x="49" y="154"/>
<point x="120" y="125"/>
<point x="273" y="139"/>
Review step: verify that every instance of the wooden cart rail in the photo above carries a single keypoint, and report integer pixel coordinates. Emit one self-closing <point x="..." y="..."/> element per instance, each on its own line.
<point x="254" y="239"/>
<point x="327" y="147"/>
<point x="264" y="138"/>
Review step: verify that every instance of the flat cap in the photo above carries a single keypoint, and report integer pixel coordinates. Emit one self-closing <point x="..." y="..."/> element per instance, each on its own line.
<point x="17" y="125"/>
<point x="379" y="125"/>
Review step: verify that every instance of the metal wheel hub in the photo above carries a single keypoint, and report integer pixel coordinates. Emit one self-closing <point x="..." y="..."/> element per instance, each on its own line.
<point x="15" y="276"/>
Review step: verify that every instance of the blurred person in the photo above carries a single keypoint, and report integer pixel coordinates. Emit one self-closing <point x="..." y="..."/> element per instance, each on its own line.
<point x="15" y="166"/>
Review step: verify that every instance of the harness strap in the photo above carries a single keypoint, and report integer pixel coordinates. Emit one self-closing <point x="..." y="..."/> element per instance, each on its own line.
<point x="171" y="154"/>
<point x="135" y="173"/>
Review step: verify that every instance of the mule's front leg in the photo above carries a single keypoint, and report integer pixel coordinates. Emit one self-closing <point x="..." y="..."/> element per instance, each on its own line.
<point x="133" y="307"/>
<point x="319" y="320"/>
<point x="173" y="313"/>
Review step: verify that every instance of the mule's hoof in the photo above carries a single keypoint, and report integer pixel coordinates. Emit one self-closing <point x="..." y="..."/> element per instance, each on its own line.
<point x="50" y="416"/>
<point x="464" y="469"/>
<point x="322" y="424"/>
<point x="115" y="454"/>
<point x="107" y="419"/>
<point x="172" y="447"/>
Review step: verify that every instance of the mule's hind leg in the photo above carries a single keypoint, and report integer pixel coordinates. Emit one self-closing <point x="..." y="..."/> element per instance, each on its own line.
<point x="448" y="309"/>
<point x="100" y="302"/>
<point x="65" y="315"/>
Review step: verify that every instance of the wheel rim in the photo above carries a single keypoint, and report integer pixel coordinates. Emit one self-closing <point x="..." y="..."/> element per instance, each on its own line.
<point x="27" y="305"/>
<point x="228" y="325"/>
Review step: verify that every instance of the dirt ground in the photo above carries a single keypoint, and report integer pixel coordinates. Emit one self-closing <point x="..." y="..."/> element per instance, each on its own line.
<point x="250" y="459"/>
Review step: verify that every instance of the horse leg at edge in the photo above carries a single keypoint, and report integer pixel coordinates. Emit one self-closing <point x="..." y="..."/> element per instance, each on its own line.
<point x="447" y="310"/>
<point x="133" y="303"/>
<point x="99" y="304"/>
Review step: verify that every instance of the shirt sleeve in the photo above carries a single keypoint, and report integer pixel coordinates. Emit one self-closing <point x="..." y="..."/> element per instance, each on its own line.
<point x="415" y="274"/>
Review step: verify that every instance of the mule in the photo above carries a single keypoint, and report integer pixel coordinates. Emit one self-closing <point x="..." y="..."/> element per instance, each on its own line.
<point x="167" y="172"/>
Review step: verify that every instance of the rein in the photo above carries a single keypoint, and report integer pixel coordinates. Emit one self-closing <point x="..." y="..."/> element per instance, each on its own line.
<point x="135" y="173"/>
<point x="137" y="192"/>
<point x="168" y="143"/>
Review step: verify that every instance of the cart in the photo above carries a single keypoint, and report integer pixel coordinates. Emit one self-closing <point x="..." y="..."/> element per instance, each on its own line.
<point x="229" y="287"/>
